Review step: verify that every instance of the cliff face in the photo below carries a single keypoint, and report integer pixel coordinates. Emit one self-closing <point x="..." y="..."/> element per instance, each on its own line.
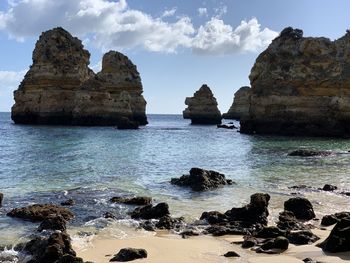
<point x="60" y="88"/>
<point x="202" y="107"/>
<point x="240" y="106"/>
<point x="301" y="86"/>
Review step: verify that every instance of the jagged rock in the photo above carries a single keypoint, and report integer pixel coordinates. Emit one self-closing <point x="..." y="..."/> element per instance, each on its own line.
<point x="299" y="86"/>
<point x="300" y="207"/>
<point x="55" y="248"/>
<point x="339" y="238"/>
<point x="167" y="222"/>
<point x="270" y="232"/>
<point x="39" y="212"/>
<point x="151" y="212"/>
<point x="138" y="200"/>
<point x="109" y="215"/>
<point x="309" y="153"/>
<point x="128" y="254"/>
<point x="53" y="222"/>
<point x="68" y="202"/>
<point x="240" y="106"/>
<point x="288" y="221"/>
<point x="1" y="198"/>
<point x="214" y="217"/>
<point x="202" y="107"/>
<point x="329" y="187"/>
<point x="225" y="126"/>
<point x="329" y="220"/>
<point x="202" y="180"/>
<point x="60" y="88"/>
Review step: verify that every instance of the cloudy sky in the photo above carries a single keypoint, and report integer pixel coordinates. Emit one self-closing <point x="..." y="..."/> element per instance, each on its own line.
<point x="177" y="45"/>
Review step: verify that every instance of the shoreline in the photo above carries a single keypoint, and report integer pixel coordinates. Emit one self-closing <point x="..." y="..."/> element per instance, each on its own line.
<point x="166" y="247"/>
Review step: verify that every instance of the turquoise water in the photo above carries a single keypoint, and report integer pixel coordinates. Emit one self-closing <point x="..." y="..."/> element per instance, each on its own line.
<point x="91" y="164"/>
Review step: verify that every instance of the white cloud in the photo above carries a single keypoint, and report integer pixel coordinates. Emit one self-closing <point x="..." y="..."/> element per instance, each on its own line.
<point x="202" y="11"/>
<point x="9" y="81"/>
<point x="169" y="12"/>
<point x="218" y="38"/>
<point x="113" y="25"/>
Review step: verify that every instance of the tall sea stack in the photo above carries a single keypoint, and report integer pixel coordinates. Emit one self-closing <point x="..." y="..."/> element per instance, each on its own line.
<point x="202" y="107"/>
<point x="240" y="105"/>
<point x="301" y="86"/>
<point x="60" y="88"/>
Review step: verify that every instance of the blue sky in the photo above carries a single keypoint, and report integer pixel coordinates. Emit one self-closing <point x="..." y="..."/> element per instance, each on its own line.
<point x="176" y="45"/>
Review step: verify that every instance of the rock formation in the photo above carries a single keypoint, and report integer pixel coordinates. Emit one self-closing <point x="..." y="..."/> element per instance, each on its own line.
<point x="301" y="86"/>
<point x="202" y="107"/>
<point x="240" y="106"/>
<point x="60" y="88"/>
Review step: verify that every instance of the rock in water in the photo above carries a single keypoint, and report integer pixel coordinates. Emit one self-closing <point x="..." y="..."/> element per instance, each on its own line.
<point x="137" y="200"/>
<point x="240" y="106"/>
<point x="202" y="107"/>
<point x="1" y="198"/>
<point x="151" y="212"/>
<point x="339" y="238"/>
<point x="300" y="207"/>
<point x="38" y="212"/>
<point x="201" y="180"/>
<point x="300" y="86"/>
<point x="60" y="88"/>
<point x="129" y="254"/>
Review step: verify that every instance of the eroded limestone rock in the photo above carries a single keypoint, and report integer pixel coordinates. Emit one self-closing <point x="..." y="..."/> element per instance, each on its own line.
<point x="240" y="106"/>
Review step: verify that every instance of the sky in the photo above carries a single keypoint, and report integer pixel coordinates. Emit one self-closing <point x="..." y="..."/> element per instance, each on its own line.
<point x="177" y="45"/>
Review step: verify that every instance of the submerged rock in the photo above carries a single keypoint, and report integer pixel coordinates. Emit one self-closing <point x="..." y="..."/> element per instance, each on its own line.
<point x="68" y="202"/>
<point x="151" y="212"/>
<point x="202" y="107"/>
<point x="60" y="88"/>
<point x="329" y="188"/>
<point x="225" y="126"/>
<point x="309" y="153"/>
<point x="138" y="200"/>
<point x="240" y="106"/>
<point x="129" y="254"/>
<point x="40" y="212"/>
<point x="339" y="238"/>
<point x="202" y="180"/>
<point x="300" y="207"/>
<point x="299" y="87"/>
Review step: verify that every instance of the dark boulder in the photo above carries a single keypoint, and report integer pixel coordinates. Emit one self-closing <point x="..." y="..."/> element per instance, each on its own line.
<point x="1" y="198"/>
<point x="270" y="232"/>
<point x="109" y="215"/>
<point x="225" y="126"/>
<point x="202" y="180"/>
<point x="231" y="254"/>
<point x="288" y="221"/>
<point x="151" y="212"/>
<point x="273" y="246"/>
<point x="39" y="212"/>
<point x="68" y="202"/>
<point x="309" y="153"/>
<point x="302" y="237"/>
<point x="329" y="187"/>
<point x="290" y="32"/>
<point x="55" y="248"/>
<point x="329" y="220"/>
<point x="300" y="207"/>
<point x="227" y="229"/>
<point x="138" y="200"/>
<point x="54" y="222"/>
<point x="249" y="241"/>
<point x="255" y="212"/>
<point x="168" y="222"/>
<point x="339" y="238"/>
<point x="129" y="254"/>
<point x="214" y="217"/>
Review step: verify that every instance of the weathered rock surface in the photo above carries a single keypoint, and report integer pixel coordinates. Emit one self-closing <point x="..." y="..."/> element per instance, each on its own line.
<point x="339" y="238"/>
<point x="60" y="88"/>
<point x="39" y="212"/>
<point x="137" y="200"/>
<point x="300" y="86"/>
<point x="56" y="248"/>
<point x="129" y="254"/>
<point x="240" y="106"/>
<point x="1" y="198"/>
<point x="300" y="207"/>
<point x="202" y="180"/>
<point x="202" y="107"/>
<point x="53" y="222"/>
<point x="151" y="212"/>
<point x="309" y="153"/>
<point x="329" y="220"/>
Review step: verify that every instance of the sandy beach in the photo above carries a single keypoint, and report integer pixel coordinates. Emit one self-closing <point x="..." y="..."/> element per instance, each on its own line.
<point x="163" y="247"/>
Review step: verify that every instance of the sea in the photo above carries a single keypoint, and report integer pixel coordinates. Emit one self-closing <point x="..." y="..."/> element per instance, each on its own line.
<point x="50" y="164"/>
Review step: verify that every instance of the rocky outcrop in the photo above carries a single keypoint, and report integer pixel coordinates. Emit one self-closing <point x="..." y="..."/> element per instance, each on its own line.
<point x="39" y="212"/>
<point x="339" y="238"/>
<point x="60" y="88"/>
<point x="202" y="180"/>
<point x="240" y="106"/>
<point x="150" y="211"/>
<point x="202" y="107"/>
<point x="137" y="200"/>
<point x="129" y="254"/>
<point x="300" y="86"/>
<point x="300" y="207"/>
